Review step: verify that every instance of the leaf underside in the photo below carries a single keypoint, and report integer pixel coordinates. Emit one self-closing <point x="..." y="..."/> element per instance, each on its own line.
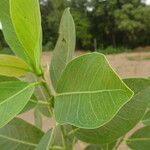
<point x="140" y="140"/>
<point x="89" y="92"/>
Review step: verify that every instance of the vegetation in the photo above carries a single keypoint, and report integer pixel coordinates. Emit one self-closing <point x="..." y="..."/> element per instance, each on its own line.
<point x="86" y="97"/>
<point x="99" y="23"/>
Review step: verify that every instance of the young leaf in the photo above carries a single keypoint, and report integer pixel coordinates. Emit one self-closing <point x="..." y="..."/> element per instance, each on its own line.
<point x="13" y="66"/>
<point x="130" y="114"/>
<point x="89" y="81"/>
<point x="140" y="140"/>
<point x="65" y="47"/>
<point x="19" y="135"/>
<point x="21" y="24"/>
<point x="14" y="95"/>
<point x="45" y="141"/>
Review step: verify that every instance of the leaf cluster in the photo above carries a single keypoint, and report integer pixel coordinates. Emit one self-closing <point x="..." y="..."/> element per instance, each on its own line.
<point x="86" y="97"/>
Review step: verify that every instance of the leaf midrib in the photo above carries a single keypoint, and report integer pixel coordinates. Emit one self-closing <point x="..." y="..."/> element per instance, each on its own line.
<point x="88" y="92"/>
<point x="18" y="141"/>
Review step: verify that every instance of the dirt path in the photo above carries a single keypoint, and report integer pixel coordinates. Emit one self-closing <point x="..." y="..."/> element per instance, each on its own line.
<point x="125" y="64"/>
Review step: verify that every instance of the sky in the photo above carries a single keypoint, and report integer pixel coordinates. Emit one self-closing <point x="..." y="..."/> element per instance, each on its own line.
<point x="148" y="2"/>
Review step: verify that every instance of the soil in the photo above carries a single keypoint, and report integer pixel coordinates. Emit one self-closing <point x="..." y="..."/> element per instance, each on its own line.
<point x="127" y="65"/>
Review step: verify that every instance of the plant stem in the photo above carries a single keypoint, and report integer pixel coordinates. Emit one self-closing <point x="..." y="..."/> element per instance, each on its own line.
<point x="48" y="91"/>
<point x="44" y="84"/>
<point x="40" y="102"/>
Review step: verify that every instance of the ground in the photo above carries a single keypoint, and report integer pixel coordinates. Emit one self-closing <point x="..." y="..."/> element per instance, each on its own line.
<point x="126" y="65"/>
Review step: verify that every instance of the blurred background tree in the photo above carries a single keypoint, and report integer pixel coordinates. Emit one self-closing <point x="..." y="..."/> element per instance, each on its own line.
<point x="99" y="23"/>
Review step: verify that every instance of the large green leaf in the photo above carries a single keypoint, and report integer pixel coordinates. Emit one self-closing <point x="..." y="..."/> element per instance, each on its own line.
<point x="21" y="24"/>
<point x="14" y="95"/>
<point x="89" y="92"/>
<point x="45" y="141"/>
<point x="13" y="66"/>
<point x="19" y="135"/>
<point x="65" y="47"/>
<point x="140" y="140"/>
<point x="126" y="118"/>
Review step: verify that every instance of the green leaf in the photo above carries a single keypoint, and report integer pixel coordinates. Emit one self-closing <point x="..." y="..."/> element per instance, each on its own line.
<point x="146" y="118"/>
<point x="53" y="139"/>
<point x="124" y="121"/>
<point x="137" y="84"/>
<point x="93" y="147"/>
<point x="65" y="47"/>
<point x="21" y="24"/>
<point x="14" y="95"/>
<point x="19" y="135"/>
<point x="45" y="141"/>
<point x="140" y="140"/>
<point x="108" y="146"/>
<point x="13" y="66"/>
<point x="89" y="92"/>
